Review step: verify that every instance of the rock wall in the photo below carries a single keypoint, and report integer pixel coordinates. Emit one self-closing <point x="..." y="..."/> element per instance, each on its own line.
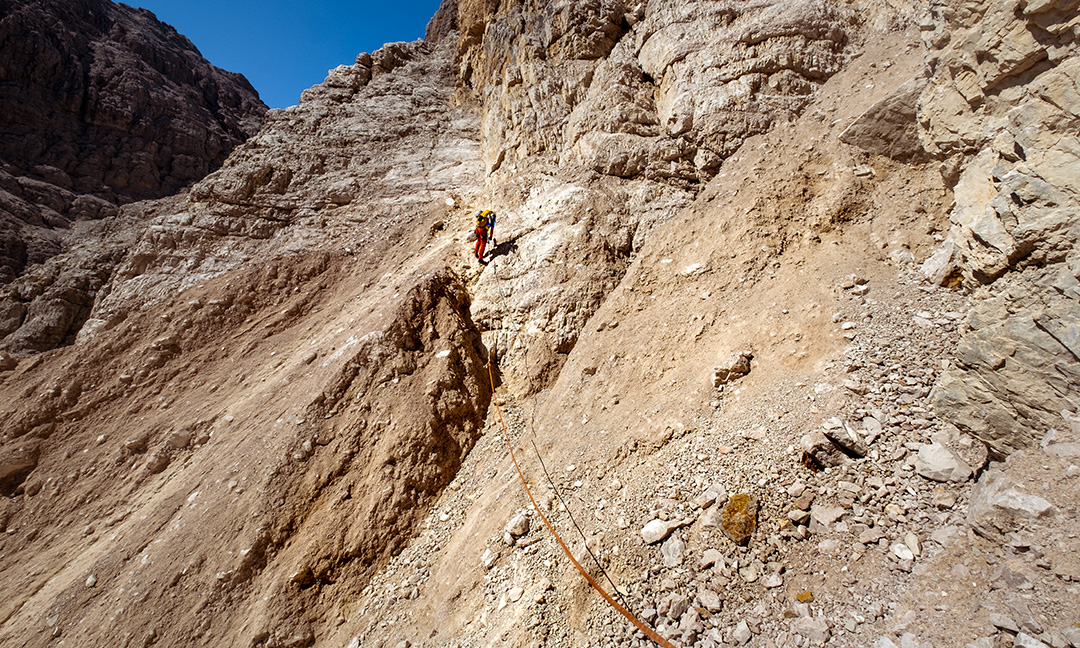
<point x="103" y="104"/>
<point x="1001" y="111"/>
<point x="658" y="90"/>
<point x="359" y="162"/>
<point x="602" y="119"/>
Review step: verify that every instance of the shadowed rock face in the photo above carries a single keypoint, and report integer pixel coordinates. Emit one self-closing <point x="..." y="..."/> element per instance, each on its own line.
<point x="102" y="104"/>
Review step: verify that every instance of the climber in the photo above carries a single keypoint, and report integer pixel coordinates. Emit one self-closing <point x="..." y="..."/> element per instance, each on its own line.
<point x="485" y="230"/>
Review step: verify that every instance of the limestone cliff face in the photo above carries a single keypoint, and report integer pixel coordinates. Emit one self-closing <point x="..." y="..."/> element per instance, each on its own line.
<point x="663" y="91"/>
<point x="601" y="119"/>
<point x="102" y="104"/>
<point x="1003" y="112"/>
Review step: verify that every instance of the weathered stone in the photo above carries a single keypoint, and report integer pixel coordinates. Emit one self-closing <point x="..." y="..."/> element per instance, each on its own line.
<point x="710" y="600"/>
<point x="847" y="438"/>
<point x="822" y="517"/>
<point x="889" y="127"/>
<point x="997" y="507"/>
<point x="711" y="557"/>
<point x="677" y="605"/>
<point x="1072" y="635"/>
<point x="798" y="517"/>
<point x="816" y="630"/>
<point x="1007" y="578"/>
<point x="741" y="633"/>
<point x="1003" y="622"/>
<point x="157" y="462"/>
<point x="656" y="530"/>
<point x="737" y="366"/>
<point x="938" y="463"/>
<point x="901" y="551"/>
<point x="17" y="460"/>
<point x="672" y="551"/>
<point x="819" y="451"/>
<point x="1027" y="641"/>
<point x="738" y="519"/>
<point x="1022" y="614"/>
<point x="710" y="496"/>
<point x="179" y="439"/>
<point x="137" y="445"/>
<point x="518" y="525"/>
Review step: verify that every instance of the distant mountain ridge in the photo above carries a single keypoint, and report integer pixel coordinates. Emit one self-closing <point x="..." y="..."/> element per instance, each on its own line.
<point x="102" y="104"/>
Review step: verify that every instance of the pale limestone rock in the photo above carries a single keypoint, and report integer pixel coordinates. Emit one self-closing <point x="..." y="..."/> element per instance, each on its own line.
<point x="890" y="127"/>
<point x="997" y="507"/>
<point x="938" y="463"/>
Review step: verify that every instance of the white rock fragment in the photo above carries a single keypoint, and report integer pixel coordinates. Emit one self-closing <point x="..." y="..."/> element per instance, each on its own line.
<point x="1027" y="641"/>
<point x="773" y="581"/>
<point x="938" y="463"/>
<point x="518" y="525"/>
<point x="901" y="551"/>
<point x="672" y="551"/>
<point x="711" y="557"/>
<point x="816" y="630"/>
<point x="911" y="541"/>
<point x="710" y="600"/>
<point x="656" y="530"/>
<point x="741" y="634"/>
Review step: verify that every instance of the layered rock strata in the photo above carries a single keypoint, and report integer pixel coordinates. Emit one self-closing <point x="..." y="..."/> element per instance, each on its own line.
<point x="103" y="104"/>
<point x="1001" y="110"/>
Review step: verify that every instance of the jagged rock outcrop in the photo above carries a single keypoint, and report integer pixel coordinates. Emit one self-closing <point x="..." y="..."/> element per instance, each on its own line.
<point x="662" y="91"/>
<point x="102" y="104"/>
<point x="363" y="155"/>
<point x="606" y="117"/>
<point x="1002" y="111"/>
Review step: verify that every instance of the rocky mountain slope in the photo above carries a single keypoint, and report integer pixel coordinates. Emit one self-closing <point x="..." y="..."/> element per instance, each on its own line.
<point x="103" y="105"/>
<point x="804" y="265"/>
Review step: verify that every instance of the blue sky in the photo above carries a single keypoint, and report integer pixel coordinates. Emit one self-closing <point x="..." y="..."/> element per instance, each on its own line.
<point x="285" y="47"/>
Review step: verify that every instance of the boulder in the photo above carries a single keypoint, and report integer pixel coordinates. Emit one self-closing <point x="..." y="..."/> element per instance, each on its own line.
<point x="656" y="530"/>
<point x="847" y="437"/>
<point x="938" y="463"/>
<point x="816" y="630"/>
<point x="997" y="507"/>
<point x="17" y="460"/>
<point x="518" y="525"/>
<point x="890" y="127"/>
<point x="819" y="451"/>
<point x="736" y="366"/>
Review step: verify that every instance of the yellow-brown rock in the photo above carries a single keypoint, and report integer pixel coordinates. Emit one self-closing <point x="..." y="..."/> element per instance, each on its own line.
<point x="738" y="520"/>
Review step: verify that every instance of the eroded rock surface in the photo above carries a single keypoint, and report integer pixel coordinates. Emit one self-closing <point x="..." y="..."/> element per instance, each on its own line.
<point x="1001" y="108"/>
<point x="103" y="104"/>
